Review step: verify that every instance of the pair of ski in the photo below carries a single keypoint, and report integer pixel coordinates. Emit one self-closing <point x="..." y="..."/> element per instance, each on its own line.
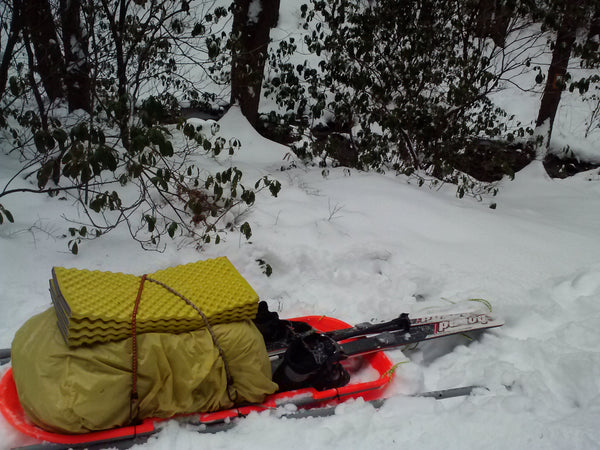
<point x="365" y="338"/>
<point x="361" y="339"/>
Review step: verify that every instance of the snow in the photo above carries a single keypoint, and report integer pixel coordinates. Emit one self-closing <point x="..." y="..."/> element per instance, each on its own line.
<point x="365" y="246"/>
<point x="254" y="10"/>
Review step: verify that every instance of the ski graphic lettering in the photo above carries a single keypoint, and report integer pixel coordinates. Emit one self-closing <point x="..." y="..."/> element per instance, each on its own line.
<point x="421" y="320"/>
<point x="470" y="320"/>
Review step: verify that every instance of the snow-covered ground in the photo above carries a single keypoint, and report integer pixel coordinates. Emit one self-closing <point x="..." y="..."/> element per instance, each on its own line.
<point x="364" y="246"/>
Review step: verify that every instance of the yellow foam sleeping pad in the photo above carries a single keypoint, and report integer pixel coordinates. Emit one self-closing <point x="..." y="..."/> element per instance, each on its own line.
<point x="95" y="306"/>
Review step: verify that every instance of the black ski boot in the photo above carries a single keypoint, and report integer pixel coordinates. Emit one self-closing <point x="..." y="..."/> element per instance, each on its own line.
<point x="311" y="361"/>
<point x="277" y="332"/>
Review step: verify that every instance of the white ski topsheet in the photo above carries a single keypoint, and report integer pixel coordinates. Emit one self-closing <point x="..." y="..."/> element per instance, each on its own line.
<point x="459" y="317"/>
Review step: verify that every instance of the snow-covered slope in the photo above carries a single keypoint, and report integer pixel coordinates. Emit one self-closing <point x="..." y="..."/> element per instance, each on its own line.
<point x="363" y="246"/>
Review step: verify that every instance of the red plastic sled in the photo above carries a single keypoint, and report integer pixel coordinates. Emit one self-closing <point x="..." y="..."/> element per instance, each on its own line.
<point x="307" y="398"/>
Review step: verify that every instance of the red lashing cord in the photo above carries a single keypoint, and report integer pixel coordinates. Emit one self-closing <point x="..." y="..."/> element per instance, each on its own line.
<point x="133" y="405"/>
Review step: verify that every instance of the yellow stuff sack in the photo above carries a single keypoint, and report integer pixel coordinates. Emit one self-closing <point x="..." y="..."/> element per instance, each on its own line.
<point x="87" y="388"/>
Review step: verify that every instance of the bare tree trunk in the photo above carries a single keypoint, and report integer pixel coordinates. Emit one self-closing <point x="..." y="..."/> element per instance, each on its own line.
<point x="119" y="37"/>
<point x="594" y="32"/>
<point x="252" y="23"/>
<point x="34" y="87"/>
<point x="493" y="19"/>
<point x="485" y="17"/>
<point x="426" y="13"/>
<point x="501" y="22"/>
<point x="38" y="20"/>
<point x="75" y="43"/>
<point x="16" y="25"/>
<point x="118" y="27"/>
<point x="555" y="82"/>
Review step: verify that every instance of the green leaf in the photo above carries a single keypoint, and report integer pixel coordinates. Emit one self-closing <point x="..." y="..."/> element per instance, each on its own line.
<point x="268" y="270"/>
<point x="43" y="141"/>
<point x="218" y="191"/>
<point x="166" y="148"/>
<point x="80" y="132"/>
<point x="189" y="130"/>
<point x="60" y="135"/>
<point x="246" y="230"/>
<point x="74" y="248"/>
<point x="198" y="30"/>
<point x="7" y="213"/>
<point x="539" y="78"/>
<point x="14" y="86"/>
<point x="274" y="187"/>
<point x="156" y="136"/>
<point x="248" y="197"/>
<point x="98" y="203"/>
<point x="151" y="221"/>
<point x="172" y="228"/>
<point x="220" y="12"/>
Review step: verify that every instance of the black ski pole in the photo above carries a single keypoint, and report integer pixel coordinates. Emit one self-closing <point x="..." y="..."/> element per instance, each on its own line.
<point x="401" y="323"/>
